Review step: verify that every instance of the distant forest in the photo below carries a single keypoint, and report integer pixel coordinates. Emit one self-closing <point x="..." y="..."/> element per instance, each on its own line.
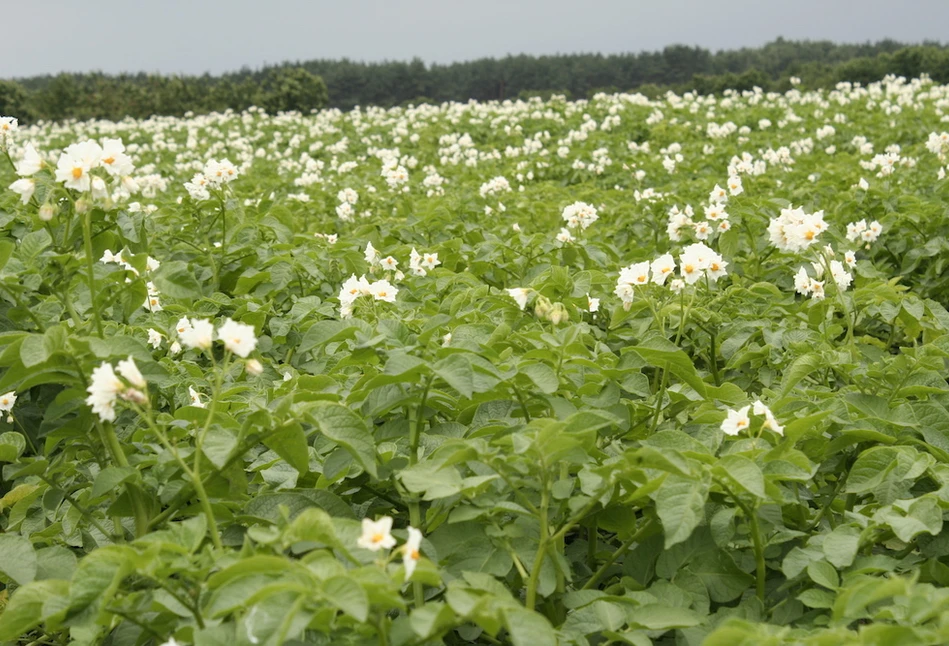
<point x="344" y="84"/>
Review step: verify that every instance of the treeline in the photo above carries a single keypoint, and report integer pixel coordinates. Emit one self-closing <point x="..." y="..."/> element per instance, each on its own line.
<point x="344" y="84"/>
<point x="87" y="96"/>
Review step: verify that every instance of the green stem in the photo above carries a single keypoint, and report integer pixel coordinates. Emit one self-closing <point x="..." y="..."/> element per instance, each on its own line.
<point x="752" y="515"/>
<point x="601" y="572"/>
<point x="534" y="579"/>
<point x="713" y="358"/>
<point x="107" y="433"/>
<point x="415" y="511"/>
<point x="90" y="269"/>
<point x="199" y="453"/>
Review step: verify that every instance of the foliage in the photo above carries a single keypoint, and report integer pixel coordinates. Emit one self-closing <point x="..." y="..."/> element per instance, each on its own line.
<point x="567" y="464"/>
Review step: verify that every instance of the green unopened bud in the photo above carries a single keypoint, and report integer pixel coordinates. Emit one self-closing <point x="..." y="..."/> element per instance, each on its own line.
<point x="47" y="211"/>
<point x="558" y="314"/>
<point x="542" y="307"/>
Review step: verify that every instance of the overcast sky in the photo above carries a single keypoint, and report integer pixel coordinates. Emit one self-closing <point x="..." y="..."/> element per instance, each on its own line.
<point x="196" y="36"/>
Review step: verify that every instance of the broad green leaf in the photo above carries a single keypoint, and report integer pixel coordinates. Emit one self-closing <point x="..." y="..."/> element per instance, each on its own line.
<point x="31" y="605"/>
<point x="347" y="429"/>
<point x="526" y="628"/>
<point x="347" y="595"/>
<point x="456" y="370"/>
<point x="175" y="279"/>
<point x="680" y="503"/>
<point x="289" y="442"/>
<point x="743" y="472"/>
<point x="12" y="446"/>
<point x="19" y="558"/>
<point x="110" y="478"/>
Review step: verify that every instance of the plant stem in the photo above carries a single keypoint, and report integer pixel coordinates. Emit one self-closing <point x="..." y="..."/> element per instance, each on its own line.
<point x="415" y="511"/>
<point x="199" y="453"/>
<point x="534" y="579"/>
<point x="752" y="515"/>
<point x="601" y="572"/>
<point x="107" y="434"/>
<point x="90" y="269"/>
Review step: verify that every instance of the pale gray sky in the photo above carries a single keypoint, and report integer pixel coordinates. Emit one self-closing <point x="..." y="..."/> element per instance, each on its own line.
<point x="196" y="36"/>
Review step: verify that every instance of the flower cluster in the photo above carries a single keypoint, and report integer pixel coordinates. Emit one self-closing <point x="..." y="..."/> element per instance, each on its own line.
<point x="420" y="263"/>
<point x="353" y="288"/>
<point x="579" y="214"/>
<point x="738" y="420"/>
<point x="7" y="400"/>
<point x="8" y="126"/>
<point x="238" y="338"/>
<point x="867" y="233"/>
<point x="794" y="230"/>
<point x="214" y="175"/>
<point x="106" y="388"/>
<point x="377" y="535"/>
<point x="696" y="261"/>
<point x="347" y="200"/>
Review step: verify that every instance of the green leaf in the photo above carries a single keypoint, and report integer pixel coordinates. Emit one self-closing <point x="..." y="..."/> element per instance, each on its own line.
<point x="662" y="353"/>
<point x="542" y="376"/>
<point x="19" y="559"/>
<point x="313" y="524"/>
<point x="218" y="445"/>
<point x="289" y="442"/>
<point x="680" y="503"/>
<point x="722" y="578"/>
<point x="348" y="596"/>
<point x="431" y="619"/>
<point x="347" y="429"/>
<point x="841" y="545"/>
<point x="457" y="372"/>
<point x="175" y="279"/>
<point x="98" y="576"/>
<point x="33" y="350"/>
<point x="323" y="332"/>
<point x="660" y="617"/>
<point x="799" y="369"/>
<point x="745" y="473"/>
<point x="817" y="598"/>
<point x="870" y="469"/>
<point x="30" y="606"/>
<point x="527" y="628"/>
<point x="110" y="478"/>
<point x="12" y="445"/>
<point x="823" y="573"/>
<point x="6" y="249"/>
<point x="33" y="244"/>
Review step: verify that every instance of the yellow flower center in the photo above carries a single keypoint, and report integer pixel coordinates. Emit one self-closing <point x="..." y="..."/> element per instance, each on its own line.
<point x="377" y="537"/>
<point x="741" y="423"/>
<point x="689" y="269"/>
<point x="76" y="173"/>
<point x="809" y="235"/>
<point x="109" y="160"/>
<point x="383" y="294"/>
<point x="414" y="555"/>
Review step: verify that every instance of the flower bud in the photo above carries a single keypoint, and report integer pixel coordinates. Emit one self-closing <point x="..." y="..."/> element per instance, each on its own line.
<point x="542" y="307"/>
<point x="254" y="367"/>
<point x="83" y="205"/>
<point x="47" y="211"/>
<point x="558" y="314"/>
